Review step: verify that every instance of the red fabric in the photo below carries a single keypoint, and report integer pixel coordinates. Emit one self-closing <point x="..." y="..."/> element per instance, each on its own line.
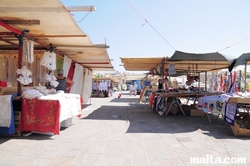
<point x="3" y="84"/>
<point x="152" y="96"/>
<point x="40" y="115"/>
<point x="71" y="74"/>
<point x="81" y="100"/>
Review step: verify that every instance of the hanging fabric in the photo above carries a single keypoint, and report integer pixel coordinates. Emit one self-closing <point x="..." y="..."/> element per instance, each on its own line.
<point x="3" y="69"/>
<point x="87" y="83"/>
<point x="12" y="67"/>
<point x="71" y="74"/>
<point x="66" y="65"/>
<point x="25" y="76"/>
<point x="49" y="60"/>
<point x="33" y="69"/>
<point x="78" y="75"/>
<point x="28" y="51"/>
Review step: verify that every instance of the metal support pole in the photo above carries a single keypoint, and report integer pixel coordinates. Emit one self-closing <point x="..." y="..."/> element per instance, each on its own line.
<point x="240" y="81"/>
<point x="163" y="71"/>
<point x="199" y="85"/>
<point x="205" y="81"/>
<point x="245" y="74"/>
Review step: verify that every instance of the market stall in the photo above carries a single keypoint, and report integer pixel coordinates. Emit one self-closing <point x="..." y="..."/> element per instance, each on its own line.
<point x="33" y="45"/>
<point x="102" y="87"/>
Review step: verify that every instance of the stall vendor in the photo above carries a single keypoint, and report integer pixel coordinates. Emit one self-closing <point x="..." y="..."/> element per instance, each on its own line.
<point x="63" y="81"/>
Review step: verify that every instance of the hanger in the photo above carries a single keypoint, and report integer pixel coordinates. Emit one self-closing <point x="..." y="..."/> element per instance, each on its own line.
<point x="50" y="48"/>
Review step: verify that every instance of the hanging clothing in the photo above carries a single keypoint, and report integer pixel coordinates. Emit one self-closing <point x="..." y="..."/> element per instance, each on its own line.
<point x="49" y="60"/>
<point x="25" y="76"/>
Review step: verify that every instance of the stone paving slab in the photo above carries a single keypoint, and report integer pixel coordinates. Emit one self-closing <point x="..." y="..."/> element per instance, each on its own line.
<point x="122" y="132"/>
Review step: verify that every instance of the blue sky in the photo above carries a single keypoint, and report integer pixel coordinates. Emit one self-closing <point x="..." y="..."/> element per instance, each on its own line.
<point x="194" y="26"/>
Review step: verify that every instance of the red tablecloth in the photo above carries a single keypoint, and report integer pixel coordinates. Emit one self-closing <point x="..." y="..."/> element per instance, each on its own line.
<point x="40" y="115"/>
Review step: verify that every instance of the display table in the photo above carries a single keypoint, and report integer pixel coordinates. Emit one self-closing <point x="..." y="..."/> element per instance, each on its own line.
<point x="176" y="95"/>
<point x="11" y="128"/>
<point x="48" y="113"/>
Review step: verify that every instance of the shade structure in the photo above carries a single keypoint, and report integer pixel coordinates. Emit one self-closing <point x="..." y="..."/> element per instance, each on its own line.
<point x="49" y="22"/>
<point x="198" y="62"/>
<point x="243" y="59"/>
<point x="141" y="64"/>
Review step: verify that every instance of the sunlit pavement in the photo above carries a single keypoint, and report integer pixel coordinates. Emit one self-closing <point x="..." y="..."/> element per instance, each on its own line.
<point x="120" y="131"/>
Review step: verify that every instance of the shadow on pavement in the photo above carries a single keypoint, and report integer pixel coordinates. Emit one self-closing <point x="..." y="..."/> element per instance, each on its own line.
<point x="143" y="120"/>
<point x="85" y="105"/>
<point x="33" y="136"/>
<point x="125" y="100"/>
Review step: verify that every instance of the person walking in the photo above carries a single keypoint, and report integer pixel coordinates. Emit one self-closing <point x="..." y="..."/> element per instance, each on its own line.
<point x="135" y="88"/>
<point x="131" y="89"/>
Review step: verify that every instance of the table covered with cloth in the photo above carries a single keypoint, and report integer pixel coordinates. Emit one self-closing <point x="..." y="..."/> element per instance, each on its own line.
<point x="44" y="114"/>
<point x="7" y="125"/>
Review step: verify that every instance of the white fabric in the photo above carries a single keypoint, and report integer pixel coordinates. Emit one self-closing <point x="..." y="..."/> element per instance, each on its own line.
<point x="49" y="60"/>
<point x="3" y="69"/>
<point x="25" y="76"/>
<point x="135" y="87"/>
<point x="33" y="69"/>
<point x="70" y="104"/>
<point x="28" y="51"/>
<point x="78" y="76"/>
<point x="5" y="113"/>
<point x="103" y="86"/>
<point x="87" y="86"/>
<point x="225" y="97"/>
<point x="66" y="65"/>
<point x="12" y="67"/>
<point x="131" y="87"/>
<point x="52" y="80"/>
<point x="31" y="94"/>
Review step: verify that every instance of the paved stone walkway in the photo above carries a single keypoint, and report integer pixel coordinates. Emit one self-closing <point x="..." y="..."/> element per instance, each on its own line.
<point x="121" y="132"/>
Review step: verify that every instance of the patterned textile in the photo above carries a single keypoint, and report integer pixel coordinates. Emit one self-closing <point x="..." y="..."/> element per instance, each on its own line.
<point x="40" y="115"/>
<point x="230" y="113"/>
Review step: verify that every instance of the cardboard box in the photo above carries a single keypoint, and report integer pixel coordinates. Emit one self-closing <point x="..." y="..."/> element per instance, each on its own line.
<point x="237" y="130"/>
<point x="239" y="100"/>
<point x="186" y="109"/>
<point x="174" y="110"/>
<point x="196" y="112"/>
